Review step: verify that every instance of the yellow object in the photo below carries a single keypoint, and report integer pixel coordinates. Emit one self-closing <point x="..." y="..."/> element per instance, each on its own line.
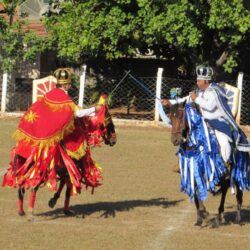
<point x="102" y="100"/>
<point x="79" y="153"/>
<point x="31" y="116"/>
<point x="63" y="75"/>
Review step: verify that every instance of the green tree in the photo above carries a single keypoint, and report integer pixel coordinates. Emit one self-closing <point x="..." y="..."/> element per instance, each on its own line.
<point x="17" y="42"/>
<point x="187" y="31"/>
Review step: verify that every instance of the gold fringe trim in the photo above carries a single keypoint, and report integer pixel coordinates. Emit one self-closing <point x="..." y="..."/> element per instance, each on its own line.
<point x="77" y="154"/>
<point x="20" y="135"/>
<point x="55" y="106"/>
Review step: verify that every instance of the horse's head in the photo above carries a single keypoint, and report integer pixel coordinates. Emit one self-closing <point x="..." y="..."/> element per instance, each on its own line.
<point x="100" y="127"/>
<point x="109" y="136"/>
<point x="177" y="118"/>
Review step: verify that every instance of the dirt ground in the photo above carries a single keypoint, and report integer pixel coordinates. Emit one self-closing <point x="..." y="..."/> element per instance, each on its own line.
<point x="139" y="205"/>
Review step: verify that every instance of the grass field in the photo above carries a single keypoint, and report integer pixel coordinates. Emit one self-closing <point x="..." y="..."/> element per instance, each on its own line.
<point x="139" y="205"/>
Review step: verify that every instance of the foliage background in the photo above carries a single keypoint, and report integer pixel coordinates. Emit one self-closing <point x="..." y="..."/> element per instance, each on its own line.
<point x="187" y="32"/>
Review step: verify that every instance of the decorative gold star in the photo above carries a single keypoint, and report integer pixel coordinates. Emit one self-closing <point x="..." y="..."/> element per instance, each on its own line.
<point x="31" y="116"/>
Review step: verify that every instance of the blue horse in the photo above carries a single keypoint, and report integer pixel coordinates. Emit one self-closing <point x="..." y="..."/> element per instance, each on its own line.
<point x="201" y="165"/>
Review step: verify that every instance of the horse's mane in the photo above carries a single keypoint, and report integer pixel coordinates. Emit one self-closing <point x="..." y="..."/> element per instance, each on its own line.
<point x="175" y="107"/>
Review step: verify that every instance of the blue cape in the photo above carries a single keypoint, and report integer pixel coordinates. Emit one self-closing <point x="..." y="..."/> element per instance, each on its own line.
<point x="227" y="124"/>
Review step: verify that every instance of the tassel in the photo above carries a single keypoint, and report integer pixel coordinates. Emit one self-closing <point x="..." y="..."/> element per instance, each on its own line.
<point x="201" y="166"/>
<point x="75" y="176"/>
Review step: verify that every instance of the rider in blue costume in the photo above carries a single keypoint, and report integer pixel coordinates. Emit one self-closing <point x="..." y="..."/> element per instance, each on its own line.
<point x="233" y="144"/>
<point x="212" y="100"/>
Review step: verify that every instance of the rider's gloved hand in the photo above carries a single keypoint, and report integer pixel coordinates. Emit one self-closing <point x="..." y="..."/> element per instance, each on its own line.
<point x="98" y="107"/>
<point x="193" y="95"/>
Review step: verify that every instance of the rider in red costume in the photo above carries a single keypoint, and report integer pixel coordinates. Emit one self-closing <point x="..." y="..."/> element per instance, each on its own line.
<point x="41" y="129"/>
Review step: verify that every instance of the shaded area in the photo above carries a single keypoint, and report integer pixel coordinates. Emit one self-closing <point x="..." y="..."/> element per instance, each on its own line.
<point x="109" y="209"/>
<point x="245" y="103"/>
<point x="230" y="218"/>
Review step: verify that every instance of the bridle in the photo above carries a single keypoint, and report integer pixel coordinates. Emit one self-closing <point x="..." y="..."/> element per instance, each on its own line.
<point x="109" y="136"/>
<point x="107" y="119"/>
<point x="181" y="117"/>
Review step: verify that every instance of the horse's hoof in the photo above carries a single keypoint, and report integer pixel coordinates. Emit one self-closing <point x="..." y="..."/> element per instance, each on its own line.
<point x="30" y="218"/>
<point x="238" y="222"/>
<point x="221" y="218"/>
<point x="176" y="169"/>
<point x="69" y="212"/>
<point x="238" y="219"/>
<point x="216" y="223"/>
<point x="52" y="202"/>
<point x="21" y="213"/>
<point x="204" y="214"/>
<point x="31" y="211"/>
<point x="198" y="222"/>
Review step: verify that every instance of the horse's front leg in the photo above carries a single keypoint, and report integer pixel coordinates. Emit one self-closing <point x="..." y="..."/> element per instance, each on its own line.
<point x="52" y="202"/>
<point x="21" y="192"/>
<point x="225" y="183"/>
<point x="32" y="199"/>
<point x="201" y="210"/>
<point x="239" y="197"/>
<point x="66" y="209"/>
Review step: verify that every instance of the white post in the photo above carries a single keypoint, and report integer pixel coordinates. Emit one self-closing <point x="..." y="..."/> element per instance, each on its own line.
<point x="82" y="85"/>
<point x="158" y="92"/>
<point x="240" y="87"/>
<point x="34" y="91"/>
<point x="4" y="92"/>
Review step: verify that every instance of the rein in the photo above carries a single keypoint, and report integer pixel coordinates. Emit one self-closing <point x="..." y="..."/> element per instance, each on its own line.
<point x="107" y="119"/>
<point x="118" y="84"/>
<point x="182" y="117"/>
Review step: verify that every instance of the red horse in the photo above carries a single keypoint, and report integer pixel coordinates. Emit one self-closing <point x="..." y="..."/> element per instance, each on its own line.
<point x="68" y="161"/>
